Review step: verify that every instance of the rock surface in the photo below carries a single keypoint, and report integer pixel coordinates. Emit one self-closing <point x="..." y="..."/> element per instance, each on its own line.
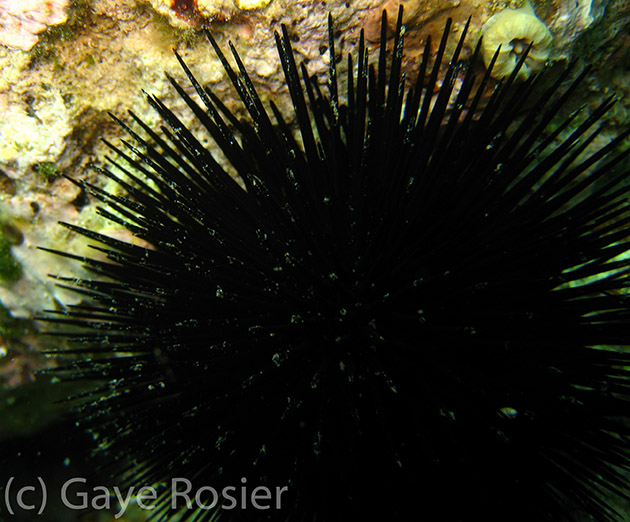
<point x="22" y="20"/>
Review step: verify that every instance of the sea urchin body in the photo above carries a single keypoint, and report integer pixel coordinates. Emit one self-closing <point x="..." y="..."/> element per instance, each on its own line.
<point x="413" y="311"/>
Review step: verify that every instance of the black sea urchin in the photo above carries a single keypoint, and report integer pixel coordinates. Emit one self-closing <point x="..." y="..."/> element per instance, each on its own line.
<point x="414" y="310"/>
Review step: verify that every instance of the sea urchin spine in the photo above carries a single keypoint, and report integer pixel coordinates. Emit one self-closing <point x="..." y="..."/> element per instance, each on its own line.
<point x="413" y="311"/>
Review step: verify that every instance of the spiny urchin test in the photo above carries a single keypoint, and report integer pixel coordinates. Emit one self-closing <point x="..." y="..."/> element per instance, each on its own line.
<point x="413" y="310"/>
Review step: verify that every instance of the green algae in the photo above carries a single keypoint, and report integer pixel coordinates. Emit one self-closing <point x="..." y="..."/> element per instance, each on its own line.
<point x="45" y="50"/>
<point x="47" y="170"/>
<point x="10" y="269"/>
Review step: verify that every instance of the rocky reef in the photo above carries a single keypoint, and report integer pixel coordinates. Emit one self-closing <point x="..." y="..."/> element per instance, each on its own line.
<point x="22" y="20"/>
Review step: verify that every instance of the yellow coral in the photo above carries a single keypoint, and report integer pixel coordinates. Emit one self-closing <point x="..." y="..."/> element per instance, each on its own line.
<point x="514" y="30"/>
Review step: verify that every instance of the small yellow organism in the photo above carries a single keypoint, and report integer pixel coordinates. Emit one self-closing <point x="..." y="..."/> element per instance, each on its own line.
<point x="514" y="30"/>
<point x="247" y="5"/>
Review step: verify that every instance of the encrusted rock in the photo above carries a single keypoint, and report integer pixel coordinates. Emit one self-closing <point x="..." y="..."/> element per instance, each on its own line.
<point x="22" y="20"/>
